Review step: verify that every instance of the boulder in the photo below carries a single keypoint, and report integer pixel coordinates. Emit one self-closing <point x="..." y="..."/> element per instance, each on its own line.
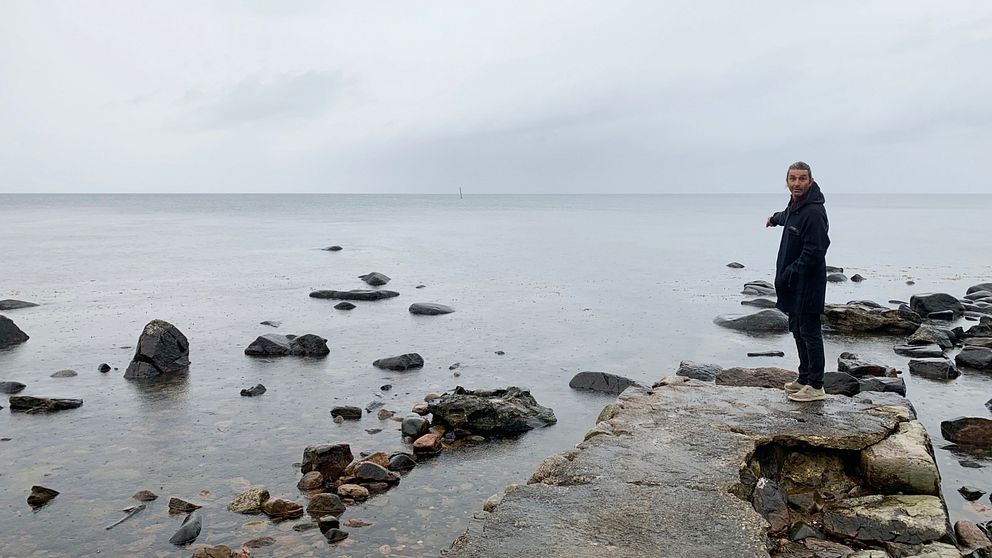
<point x="274" y="344"/>
<point x="856" y="366"/>
<point x="430" y="309"/>
<point x="758" y="288"/>
<point x="836" y="277"/>
<point x="30" y="404"/>
<point x="250" y="501"/>
<point x="400" y="363"/>
<point x="161" y="349"/>
<point x="759" y="303"/>
<point x="908" y="519"/>
<point x="491" y="411"/>
<point x="840" y="383"/>
<point x="698" y="371"/>
<point x="11" y="387"/>
<point x="982" y="330"/>
<point x="924" y="304"/>
<point x="893" y="385"/>
<point x="973" y="431"/>
<point x="347" y="412"/>
<point x="188" y="531"/>
<point x="855" y="318"/>
<point x="974" y="295"/>
<point x="10" y="334"/>
<point x="428" y="444"/>
<point x="11" y="304"/>
<point x="934" y="369"/>
<point x="603" y="382"/>
<point x="328" y="459"/>
<point x="980" y="287"/>
<point x="279" y="509"/>
<point x="375" y="279"/>
<point x="919" y="351"/>
<point x="902" y="463"/>
<point x="103" y="368"/>
<point x="975" y="357"/>
<point x="764" y="321"/>
<point x="358" y="294"/>
<point x="325" y="503"/>
<point x="767" y="377"/>
<point x="40" y="496"/>
<point x="927" y="334"/>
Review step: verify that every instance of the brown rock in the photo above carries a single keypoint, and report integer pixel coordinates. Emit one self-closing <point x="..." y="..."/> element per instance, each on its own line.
<point x="376" y="488"/>
<point x="40" y="496"/>
<point x="970" y="537"/>
<point x="353" y="491"/>
<point x="311" y="481"/>
<point x="329" y="459"/>
<point x="145" y="496"/>
<point x="219" y="551"/>
<point x="177" y="505"/>
<point x="427" y="444"/>
<point x="279" y="509"/>
<point x="420" y="408"/>
<point x="325" y="503"/>
<point x="356" y="523"/>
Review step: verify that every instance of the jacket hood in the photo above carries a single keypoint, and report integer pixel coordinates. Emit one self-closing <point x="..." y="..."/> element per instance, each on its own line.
<point x="813" y="195"/>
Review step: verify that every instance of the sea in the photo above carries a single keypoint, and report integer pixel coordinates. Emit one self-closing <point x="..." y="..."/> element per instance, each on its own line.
<point x="543" y="287"/>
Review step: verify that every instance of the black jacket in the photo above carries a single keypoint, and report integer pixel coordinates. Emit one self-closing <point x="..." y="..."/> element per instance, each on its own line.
<point x="801" y="269"/>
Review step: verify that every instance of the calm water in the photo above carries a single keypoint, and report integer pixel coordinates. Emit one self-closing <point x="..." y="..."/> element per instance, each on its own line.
<point x="626" y="284"/>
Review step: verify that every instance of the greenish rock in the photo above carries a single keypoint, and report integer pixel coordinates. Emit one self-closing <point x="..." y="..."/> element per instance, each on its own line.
<point x="608" y="412"/>
<point x="250" y="501"/>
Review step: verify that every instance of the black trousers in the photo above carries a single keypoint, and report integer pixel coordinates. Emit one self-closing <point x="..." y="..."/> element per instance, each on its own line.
<point x="806" y="330"/>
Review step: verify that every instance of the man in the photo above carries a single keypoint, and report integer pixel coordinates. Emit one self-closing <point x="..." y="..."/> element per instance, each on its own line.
<point x="801" y="277"/>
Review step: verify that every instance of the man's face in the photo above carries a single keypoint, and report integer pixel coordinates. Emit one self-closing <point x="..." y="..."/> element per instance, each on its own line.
<point x="798" y="182"/>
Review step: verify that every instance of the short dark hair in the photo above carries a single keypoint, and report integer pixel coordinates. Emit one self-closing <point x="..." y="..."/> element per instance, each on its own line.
<point x="799" y="165"/>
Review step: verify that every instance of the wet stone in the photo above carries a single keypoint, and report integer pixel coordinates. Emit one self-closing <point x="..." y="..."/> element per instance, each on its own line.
<point x="161" y="349"/>
<point x="260" y="542"/>
<point x="250" y="501"/>
<point x="968" y="431"/>
<point x="347" y="412"/>
<point x="328" y="459"/>
<point x="178" y="505"/>
<point x="29" y="404"/>
<point x="311" y="481"/>
<point x="325" y="503"/>
<point x="104" y="368"/>
<point x="603" y="382"/>
<point x="357" y="294"/>
<point x="401" y="462"/>
<point x="400" y="363"/>
<point x="41" y="495"/>
<point x="259" y="389"/>
<point x="335" y="535"/>
<point x="11" y="387"/>
<point x="971" y="493"/>
<point x="919" y="351"/>
<point x="279" y="509"/>
<point x="415" y="426"/>
<point x="384" y="414"/>
<point x="145" y="496"/>
<point x="344" y="305"/>
<point x="372" y="472"/>
<point x="936" y="369"/>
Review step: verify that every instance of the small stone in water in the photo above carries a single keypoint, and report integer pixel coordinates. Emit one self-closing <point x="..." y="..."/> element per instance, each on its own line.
<point x="104" y="368"/>
<point x="386" y="387"/>
<point x="336" y="535"/>
<point x="500" y="353"/>
<point x="339" y="419"/>
<point x="356" y="523"/>
<point x="144" y="496"/>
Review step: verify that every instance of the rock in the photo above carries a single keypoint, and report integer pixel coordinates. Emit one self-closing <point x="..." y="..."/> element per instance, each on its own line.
<point x="347" y="412"/>
<point x="903" y="462"/>
<point x="834" y="269"/>
<point x="981" y="331"/>
<point x="10" y="334"/>
<point x="338" y="420"/>
<point x="11" y="387"/>
<point x="975" y="357"/>
<point x="856" y="366"/>
<point x="64" y="373"/>
<point x="327" y="522"/>
<point x="161" y="349"/>
<point x="758" y="288"/>
<point x="40" y="496"/>
<point x="11" y="304"/>
<point x="765" y="377"/>
<point x="856" y="318"/>
<point x="967" y="430"/>
<point x="373" y="405"/>
<point x="840" y="383"/>
<point x="428" y="444"/>
<point x="980" y="287"/>
<point x="325" y="503"/>
<point x="273" y="344"/>
<point x="344" y="305"/>
<point x="400" y="363"/>
<point x="332" y="249"/>
<point x="802" y="530"/>
<point x="401" y="462"/>
<point x="328" y="459"/>
<point x="491" y="412"/>
<point x="372" y="472"/>
<point x="358" y="294"/>
<point x="335" y="535"/>
<point x="971" y="538"/>
<point x="145" y="496"/>
<point x="219" y="551"/>
<point x="254" y="391"/>
<point x="929" y="335"/>
<point x="603" y="382"/>
<point x="866" y="303"/>
<point x="893" y="385"/>
<point x="375" y="279"/>
<point x="104" y="368"/>
<point x="946" y="315"/>
<point x="311" y="481"/>
<point x="271" y="323"/>
<point x="766" y="354"/>
<point x="934" y="369"/>
<point x="909" y="519"/>
<point x="279" y="509"/>
<point x="759" y="303"/>
<point x="857" y="278"/>
<point x="250" y="501"/>
<point x="971" y="493"/>
<point x="769" y="501"/>
<point x="698" y="371"/>
<point x="925" y="304"/>
<point x="30" y="404"/>
<point x="354" y="491"/>
<point x="919" y="351"/>
<point x="385" y="414"/>
<point x="430" y="309"/>
<point x="188" y="531"/>
<point x="415" y="426"/>
<point x="836" y="277"/>
<point x="178" y="505"/>
<point x="260" y="542"/>
<point x="764" y="321"/>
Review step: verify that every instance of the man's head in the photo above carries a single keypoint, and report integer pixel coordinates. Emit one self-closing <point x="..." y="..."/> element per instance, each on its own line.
<point x="798" y="179"/>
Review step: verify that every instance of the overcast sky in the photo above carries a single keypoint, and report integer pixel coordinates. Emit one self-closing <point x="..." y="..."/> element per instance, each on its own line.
<point x="520" y="97"/>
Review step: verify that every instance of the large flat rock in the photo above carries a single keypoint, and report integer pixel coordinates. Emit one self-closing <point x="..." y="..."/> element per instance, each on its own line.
<point x="657" y="479"/>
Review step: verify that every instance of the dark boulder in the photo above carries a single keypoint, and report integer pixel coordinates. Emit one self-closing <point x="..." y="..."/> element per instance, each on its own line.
<point x="925" y="304"/>
<point x="834" y="269"/>
<point x="358" y="294"/>
<point x="10" y="304"/>
<point x="189" y="530"/>
<point x="934" y="369"/>
<point x="274" y="344"/>
<point x="766" y="377"/>
<point x="104" y="368"/>
<point x="759" y="303"/>
<point x="375" y="279"/>
<point x="841" y="383"/>
<point x="344" y="305"/>
<point x="919" y="351"/>
<point x="856" y="318"/>
<point x="324" y="504"/>
<point x="927" y="334"/>
<point x="893" y="385"/>
<point x="601" y="381"/>
<point x="347" y="412"/>
<point x="430" y="309"/>
<point x="971" y="493"/>
<point x="975" y="357"/>
<point x="943" y="315"/>
<point x="400" y="363"/>
<point x="857" y="278"/>
<point x="334" y="248"/>
<point x="491" y="411"/>
<point x="698" y="371"/>
<point x="976" y="431"/>
<point x="29" y="404"/>
<point x="328" y="459"/>
<point x="162" y="349"/>
<point x="766" y="354"/>
<point x="758" y="288"/>
<point x="769" y="501"/>
<point x="735" y="265"/>
<point x="11" y="387"/>
<point x="764" y="321"/>
<point x="856" y="366"/>
<point x="373" y="472"/>
<point x="40" y="496"/>
<point x="10" y="334"/>
<point x="836" y="278"/>
<point x="259" y="389"/>
<point x="974" y="295"/>
<point x="980" y="287"/>
<point x="983" y="329"/>
<point x="401" y="462"/>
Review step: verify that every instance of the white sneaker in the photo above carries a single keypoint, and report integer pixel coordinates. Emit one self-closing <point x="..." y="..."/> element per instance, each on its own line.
<point x="808" y="394"/>
<point x="792" y="387"/>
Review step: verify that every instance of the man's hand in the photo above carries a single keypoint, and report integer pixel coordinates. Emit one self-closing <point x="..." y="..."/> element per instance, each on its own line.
<point x="769" y="222"/>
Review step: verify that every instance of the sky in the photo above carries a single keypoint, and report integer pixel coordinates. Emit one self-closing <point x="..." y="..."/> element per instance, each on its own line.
<point x="535" y="96"/>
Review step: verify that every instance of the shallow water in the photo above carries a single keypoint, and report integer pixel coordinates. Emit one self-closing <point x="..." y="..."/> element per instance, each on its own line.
<point x="626" y="284"/>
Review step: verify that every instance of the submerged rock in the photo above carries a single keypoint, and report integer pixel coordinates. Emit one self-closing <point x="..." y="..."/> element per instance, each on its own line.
<point x="273" y="344"/>
<point x="145" y="496"/>
<point x="67" y="373"/>
<point x="735" y="265"/>
<point x="162" y="349"/>
<point x="271" y="323"/>
<point x="357" y="294"/>
<point x="698" y="371"/>
<point x="178" y="505"/>
<point x="400" y="363"/>
<point x="280" y="509"/>
<point x="375" y="279"/>
<point x="189" y="530"/>
<point x="10" y="334"/>
<point x="856" y="318"/>
<point x="11" y="304"/>
<point x="30" y="404"/>
<point x="491" y="411"/>
<point x="430" y="309"/>
<point x="347" y="412"/>
<point x="250" y="501"/>
<point x="334" y="248"/>
<point x="836" y="277"/>
<point x="401" y="462"/>
<point x="11" y="387"/>
<point x="344" y="305"/>
<point x="325" y="503"/>
<point x="603" y="382"/>
<point x="764" y="321"/>
<point x="927" y="334"/>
